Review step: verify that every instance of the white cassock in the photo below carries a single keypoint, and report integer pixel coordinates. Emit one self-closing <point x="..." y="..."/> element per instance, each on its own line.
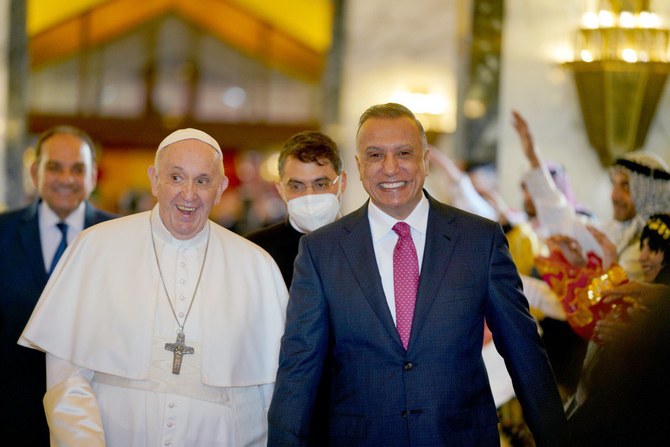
<point x="104" y="319"/>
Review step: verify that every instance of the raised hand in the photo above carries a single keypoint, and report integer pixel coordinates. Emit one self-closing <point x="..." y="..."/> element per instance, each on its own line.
<point x="568" y="247"/>
<point x="609" y="249"/>
<point x="645" y="293"/>
<point x="526" y="139"/>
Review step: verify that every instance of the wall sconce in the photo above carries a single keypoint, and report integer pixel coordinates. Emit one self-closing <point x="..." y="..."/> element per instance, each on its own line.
<point x="620" y="67"/>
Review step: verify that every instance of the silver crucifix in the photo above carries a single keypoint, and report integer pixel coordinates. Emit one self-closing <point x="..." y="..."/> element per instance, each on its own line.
<point x="179" y="349"/>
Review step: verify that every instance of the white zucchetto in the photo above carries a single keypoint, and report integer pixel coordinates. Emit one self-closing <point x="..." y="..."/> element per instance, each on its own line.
<point x="187" y="134"/>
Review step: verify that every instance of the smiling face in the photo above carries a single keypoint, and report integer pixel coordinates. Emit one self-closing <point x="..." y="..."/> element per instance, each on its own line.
<point x="188" y="181"/>
<point x="392" y="164"/>
<point x="651" y="261"/>
<point x="622" y="199"/>
<point x="64" y="174"/>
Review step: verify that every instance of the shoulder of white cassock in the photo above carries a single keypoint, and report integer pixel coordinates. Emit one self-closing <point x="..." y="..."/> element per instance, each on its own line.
<point x="104" y="293"/>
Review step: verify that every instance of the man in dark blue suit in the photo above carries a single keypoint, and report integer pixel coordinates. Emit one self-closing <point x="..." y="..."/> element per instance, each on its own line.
<point x="65" y="174"/>
<point x="428" y="386"/>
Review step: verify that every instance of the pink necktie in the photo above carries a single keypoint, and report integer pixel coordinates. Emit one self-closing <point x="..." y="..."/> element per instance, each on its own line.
<point x="405" y="280"/>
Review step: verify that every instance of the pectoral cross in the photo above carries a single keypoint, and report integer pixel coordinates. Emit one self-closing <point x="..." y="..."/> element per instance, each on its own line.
<point x="179" y="348"/>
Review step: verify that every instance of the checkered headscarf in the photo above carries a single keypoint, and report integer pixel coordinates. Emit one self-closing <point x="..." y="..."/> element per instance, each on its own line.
<point x="649" y="183"/>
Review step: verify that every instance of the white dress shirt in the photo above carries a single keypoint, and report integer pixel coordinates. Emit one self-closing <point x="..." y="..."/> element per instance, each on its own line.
<point x="384" y="240"/>
<point x="50" y="234"/>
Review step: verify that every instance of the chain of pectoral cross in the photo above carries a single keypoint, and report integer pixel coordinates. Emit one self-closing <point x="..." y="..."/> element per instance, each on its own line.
<point x="179" y="347"/>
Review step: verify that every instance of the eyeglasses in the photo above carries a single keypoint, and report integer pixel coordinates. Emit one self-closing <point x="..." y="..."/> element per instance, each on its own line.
<point x="319" y="186"/>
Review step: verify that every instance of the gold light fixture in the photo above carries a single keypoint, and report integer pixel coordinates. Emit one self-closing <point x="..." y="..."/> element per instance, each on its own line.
<point x="620" y="67"/>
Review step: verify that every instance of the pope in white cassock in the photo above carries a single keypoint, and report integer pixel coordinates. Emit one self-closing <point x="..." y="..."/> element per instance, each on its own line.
<point x="162" y="328"/>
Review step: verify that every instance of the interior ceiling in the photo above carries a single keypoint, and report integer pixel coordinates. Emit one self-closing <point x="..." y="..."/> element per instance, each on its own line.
<point x="308" y="21"/>
<point x="292" y="36"/>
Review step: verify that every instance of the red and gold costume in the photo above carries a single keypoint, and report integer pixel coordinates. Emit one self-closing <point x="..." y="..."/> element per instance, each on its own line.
<point x="580" y="289"/>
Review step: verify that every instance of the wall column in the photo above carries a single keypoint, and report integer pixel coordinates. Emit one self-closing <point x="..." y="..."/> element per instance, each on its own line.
<point x="13" y="100"/>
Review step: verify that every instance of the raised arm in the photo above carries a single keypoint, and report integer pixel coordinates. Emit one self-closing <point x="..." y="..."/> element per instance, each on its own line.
<point x="462" y="193"/>
<point x="526" y="138"/>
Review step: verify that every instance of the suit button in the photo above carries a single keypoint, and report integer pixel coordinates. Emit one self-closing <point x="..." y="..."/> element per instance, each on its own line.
<point x="404" y="414"/>
<point x="408" y="366"/>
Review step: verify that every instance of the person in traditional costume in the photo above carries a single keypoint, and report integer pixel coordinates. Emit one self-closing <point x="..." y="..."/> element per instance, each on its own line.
<point x="162" y="328"/>
<point x="623" y="395"/>
<point x="640" y="189"/>
<point x="586" y="287"/>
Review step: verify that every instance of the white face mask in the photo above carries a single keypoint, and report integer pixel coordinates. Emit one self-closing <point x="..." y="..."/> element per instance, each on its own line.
<point x="309" y="212"/>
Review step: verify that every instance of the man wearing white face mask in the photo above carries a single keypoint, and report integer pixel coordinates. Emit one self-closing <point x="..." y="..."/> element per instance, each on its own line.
<point x="311" y="183"/>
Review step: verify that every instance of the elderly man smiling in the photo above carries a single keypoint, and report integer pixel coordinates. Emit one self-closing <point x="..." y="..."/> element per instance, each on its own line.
<point x="162" y="328"/>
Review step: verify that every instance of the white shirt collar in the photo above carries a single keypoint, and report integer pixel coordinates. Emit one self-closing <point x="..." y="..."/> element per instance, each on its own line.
<point x="381" y="223"/>
<point x="75" y="220"/>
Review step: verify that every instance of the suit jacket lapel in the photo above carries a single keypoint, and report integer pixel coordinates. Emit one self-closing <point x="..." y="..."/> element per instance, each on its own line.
<point x="440" y="243"/>
<point x="29" y="233"/>
<point x="90" y="217"/>
<point x="358" y="248"/>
